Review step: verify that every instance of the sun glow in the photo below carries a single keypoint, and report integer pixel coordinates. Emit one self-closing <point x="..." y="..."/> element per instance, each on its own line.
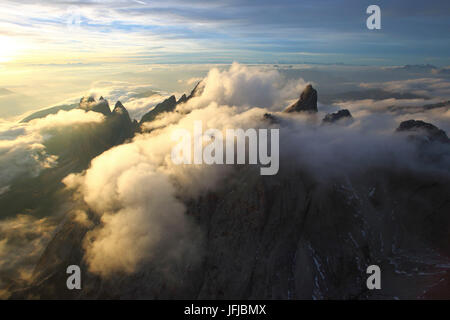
<point x="9" y="48"/>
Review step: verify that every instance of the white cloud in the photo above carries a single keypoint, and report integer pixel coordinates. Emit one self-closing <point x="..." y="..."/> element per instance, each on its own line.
<point x="138" y="192"/>
<point x="22" y="241"/>
<point x="435" y="87"/>
<point x="244" y="86"/>
<point x="22" y="149"/>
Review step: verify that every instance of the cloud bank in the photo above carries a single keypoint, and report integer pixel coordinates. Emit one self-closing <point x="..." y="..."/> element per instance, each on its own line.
<point x="138" y="194"/>
<point x="22" y="241"/>
<point x="22" y="149"/>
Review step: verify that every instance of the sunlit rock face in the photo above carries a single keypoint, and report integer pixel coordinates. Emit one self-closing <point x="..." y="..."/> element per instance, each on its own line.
<point x="307" y="101"/>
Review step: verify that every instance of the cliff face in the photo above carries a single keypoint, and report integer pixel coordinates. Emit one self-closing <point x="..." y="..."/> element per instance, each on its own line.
<point x="288" y="237"/>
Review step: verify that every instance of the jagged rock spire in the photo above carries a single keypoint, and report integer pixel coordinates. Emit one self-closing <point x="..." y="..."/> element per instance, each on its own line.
<point x="182" y="99"/>
<point x="307" y="101"/>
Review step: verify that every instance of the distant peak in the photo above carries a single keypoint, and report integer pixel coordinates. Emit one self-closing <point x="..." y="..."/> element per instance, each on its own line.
<point x="89" y="99"/>
<point x="168" y="105"/>
<point x="198" y="89"/>
<point x="423" y="128"/>
<point x="183" y="99"/>
<point x="89" y="104"/>
<point x="119" y="104"/>
<point x="119" y="108"/>
<point x="343" y="114"/>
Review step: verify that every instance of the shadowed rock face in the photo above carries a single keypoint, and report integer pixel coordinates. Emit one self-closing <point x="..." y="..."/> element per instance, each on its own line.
<point x="290" y="236"/>
<point x="338" y="116"/>
<point x="89" y="104"/>
<point x="171" y="103"/>
<point x="167" y="105"/>
<point x="182" y="99"/>
<point x="271" y="118"/>
<point x="307" y="101"/>
<point x="198" y="90"/>
<point x="419" y="128"/>
<point x="120" y="122"/>
<point x="286" y="237"/>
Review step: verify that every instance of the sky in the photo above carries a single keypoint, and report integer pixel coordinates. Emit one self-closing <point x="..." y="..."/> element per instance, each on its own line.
<point x="207" y="31"/>
<point x="54" y="52"/>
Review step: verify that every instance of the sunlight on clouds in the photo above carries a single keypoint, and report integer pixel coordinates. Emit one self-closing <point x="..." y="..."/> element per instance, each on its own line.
<point x="10" y="48"/>
<point x="200" y="31"/>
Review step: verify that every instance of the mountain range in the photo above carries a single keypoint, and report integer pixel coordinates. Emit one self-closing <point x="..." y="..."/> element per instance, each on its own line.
<point x="289" y="236"/>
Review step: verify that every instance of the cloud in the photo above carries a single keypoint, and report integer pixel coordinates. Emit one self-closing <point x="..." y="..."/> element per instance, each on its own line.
<point x="191" y="81"/>
<point x="344" y="152"/>
<point x="137" y="99"/>
<point x="139" y="195"/>
<point x="22" y="149"/>
<point x="22" y="241"/>
<point x="435" y="87"/>
<point x="442" y="71"/>
<point x="438" y="116"/>
<point x="199" y="31"/>
<point x="397" y="110"/>
<point x="243" y="86"/>
<point x="138" y="198"/>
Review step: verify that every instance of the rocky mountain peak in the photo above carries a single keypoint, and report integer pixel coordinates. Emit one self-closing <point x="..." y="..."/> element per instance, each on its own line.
<point x="89" y="99"/>
<point x="424" y="129"/>
<point x="339" y="116"/>
<point x="198" y="89"/>
<point x="89" y="104"/>
<point x="167" y="105"/>
<point x="119" y="105"/>
<point x="182" y="99"/>
<point x="307" y="101"/>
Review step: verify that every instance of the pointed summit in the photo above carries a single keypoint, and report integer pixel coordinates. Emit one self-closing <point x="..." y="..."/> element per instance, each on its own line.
<point x="89" y="104"/>
<point x="198" y="89"/>
<point x="183" y="99"/>
<point x="89" y="99"/>
<point x="119" y="105"/>
<point x="167" y="105"/>
<point x="120" y="110"/>
<point x="307" y="101"/>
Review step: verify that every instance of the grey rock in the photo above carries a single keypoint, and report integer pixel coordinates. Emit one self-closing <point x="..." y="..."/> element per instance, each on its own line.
<point x="167" y="105"/>
<point x="419" y="128"/>
<point x="307" y="101"/>
<point x="339" y="116"/>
